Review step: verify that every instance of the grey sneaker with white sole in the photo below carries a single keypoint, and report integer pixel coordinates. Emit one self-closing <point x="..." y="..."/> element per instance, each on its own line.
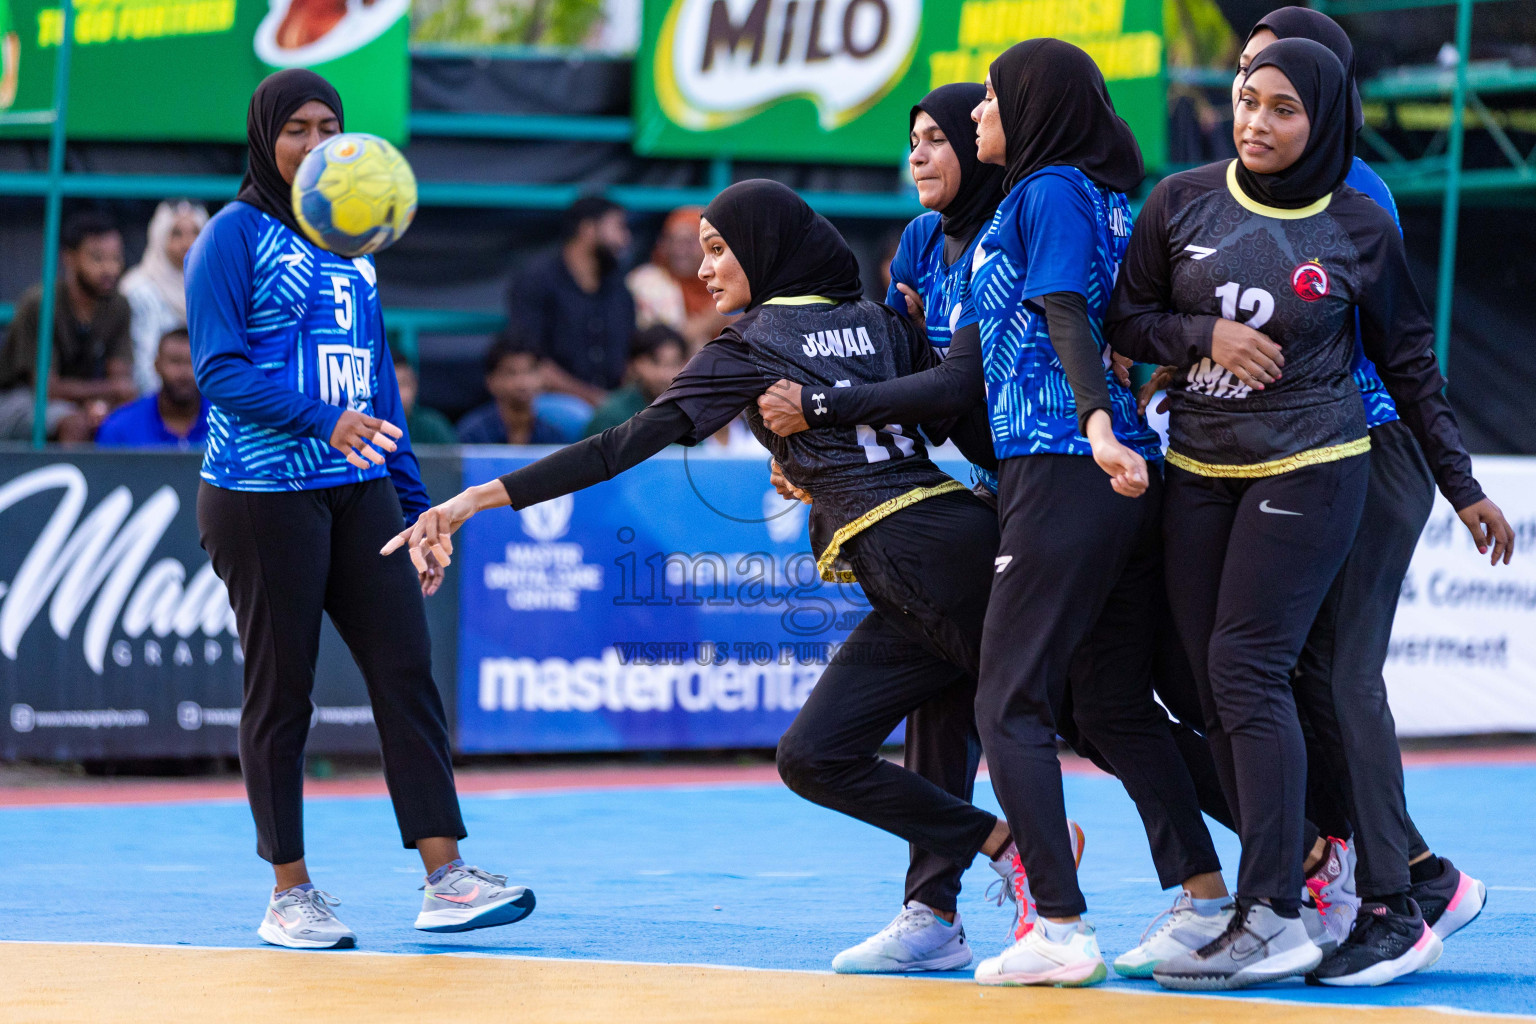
<point x="1258" y="946"/>
<point x="303" y="919"/>
<point x="466" y="898"/>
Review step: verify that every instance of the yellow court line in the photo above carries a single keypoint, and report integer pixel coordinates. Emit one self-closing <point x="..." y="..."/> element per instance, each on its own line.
<point x="65" y="983"/>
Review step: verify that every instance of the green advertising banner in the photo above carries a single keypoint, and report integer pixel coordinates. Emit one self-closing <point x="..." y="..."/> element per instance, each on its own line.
<point x="833" y="80"/>
<point x="173" y="70"/>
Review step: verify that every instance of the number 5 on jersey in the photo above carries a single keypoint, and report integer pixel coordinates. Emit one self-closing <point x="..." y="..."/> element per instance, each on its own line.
<point x="341" y="292"/>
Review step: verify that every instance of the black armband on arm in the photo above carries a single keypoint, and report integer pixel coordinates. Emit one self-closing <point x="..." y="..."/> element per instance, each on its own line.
<point x="942" y="392"/>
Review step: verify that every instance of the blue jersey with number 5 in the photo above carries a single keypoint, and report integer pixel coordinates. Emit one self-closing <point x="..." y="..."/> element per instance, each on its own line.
<point x="285" y="338"/>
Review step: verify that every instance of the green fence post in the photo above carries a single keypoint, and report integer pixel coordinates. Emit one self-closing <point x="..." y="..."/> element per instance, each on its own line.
<point x="55" y="201"/>
<point x="1446" y="284"/>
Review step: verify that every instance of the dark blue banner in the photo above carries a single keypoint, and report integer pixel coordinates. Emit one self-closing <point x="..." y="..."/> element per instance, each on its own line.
<point x="675" y="607"/>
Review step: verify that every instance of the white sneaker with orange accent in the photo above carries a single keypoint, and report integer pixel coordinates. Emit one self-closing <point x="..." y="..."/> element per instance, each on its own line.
<point x="466" y="898"/>
<point x="1036" y="960"/>
<point x="1014" y="884"/>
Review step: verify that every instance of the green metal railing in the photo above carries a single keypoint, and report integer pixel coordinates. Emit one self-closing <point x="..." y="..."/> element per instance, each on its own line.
<point x="1430" y="173"/>
<point x="405" y="326"/>
<point x="1422" y="177"/>
<point x="43" y="368"/>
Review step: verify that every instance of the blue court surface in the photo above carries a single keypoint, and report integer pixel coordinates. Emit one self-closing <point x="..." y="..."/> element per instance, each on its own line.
<point x="741" y="875"/>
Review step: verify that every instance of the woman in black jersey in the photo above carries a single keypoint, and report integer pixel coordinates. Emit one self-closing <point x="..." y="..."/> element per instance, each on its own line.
<point x="1355" y="777"/>
<point x="884" y="515"/>
<point x="1267" y="443"/>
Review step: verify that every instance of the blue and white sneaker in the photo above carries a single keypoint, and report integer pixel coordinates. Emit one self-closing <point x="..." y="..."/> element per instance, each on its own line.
<point x="1174" y="932"/>
<point x="917" y="940"/>
<point x="466" y="898"/>
<point x="303" y="919"/>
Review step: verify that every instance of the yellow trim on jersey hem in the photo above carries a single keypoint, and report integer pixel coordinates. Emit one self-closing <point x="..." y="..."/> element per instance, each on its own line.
<point x="870" y="518"/>
<point x="800" y="300"/>
<point x="1252" y="205"/>
<point x="1275" y="467"/>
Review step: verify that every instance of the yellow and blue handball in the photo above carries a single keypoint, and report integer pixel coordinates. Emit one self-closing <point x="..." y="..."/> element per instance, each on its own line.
<point x="354" y="194"/>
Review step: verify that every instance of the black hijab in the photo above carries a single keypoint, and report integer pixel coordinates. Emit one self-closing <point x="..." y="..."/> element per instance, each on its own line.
<point x="272" y="104"/>
<point x="981" y="185"/>
<point x="1319" y="83"/>
<point x="1301" y="23"/>
<point x="785" y="247"/>
<point x="1056" y="110"/>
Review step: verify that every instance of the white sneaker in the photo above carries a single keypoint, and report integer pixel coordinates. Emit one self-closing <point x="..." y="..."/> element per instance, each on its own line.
<point x="1036" y="960"/>
<point x="302" y="919"/>
<point x="1329" y="902"/>
<point x="1174" y="932"/>
<point x="1014" y="883"/>
<point x="917" y="940"/>
<point x="466" y="898"/>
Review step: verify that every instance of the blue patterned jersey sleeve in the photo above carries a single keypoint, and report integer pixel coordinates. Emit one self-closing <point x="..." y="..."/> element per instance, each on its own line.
<point x="404" y="470"/>
<point x="904" y="268"/>
<point x="1059" y="228"/>
<point x="219" y="275"/>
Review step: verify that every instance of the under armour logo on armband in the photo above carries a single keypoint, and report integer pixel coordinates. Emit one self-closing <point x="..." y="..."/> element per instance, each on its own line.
<point x="818" y="398"/>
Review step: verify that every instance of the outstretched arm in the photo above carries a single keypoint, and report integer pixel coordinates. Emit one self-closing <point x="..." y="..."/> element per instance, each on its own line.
<point x="716" y="385"/>
<point x="572" y="468"/>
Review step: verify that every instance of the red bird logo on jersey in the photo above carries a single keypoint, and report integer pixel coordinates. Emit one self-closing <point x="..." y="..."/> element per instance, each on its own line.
<point x="1310" y="281"/>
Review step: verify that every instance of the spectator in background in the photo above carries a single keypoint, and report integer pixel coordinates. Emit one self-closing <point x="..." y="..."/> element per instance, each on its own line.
<point x="155" y="289"/>
<point x="889" y="247"/>
<point x="175" y="416"/>
<point x="575" y="307"/>
<point x="91" y="371"/>
<point x="514" y="375"/>
<point x="655" y="356"/>
<point x="668" y="291"/>
<point x="424" y="425"/>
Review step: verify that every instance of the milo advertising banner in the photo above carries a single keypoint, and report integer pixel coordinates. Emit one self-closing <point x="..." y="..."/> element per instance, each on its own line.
<point x="833" y="80"/>
<point x="169" y="70"/>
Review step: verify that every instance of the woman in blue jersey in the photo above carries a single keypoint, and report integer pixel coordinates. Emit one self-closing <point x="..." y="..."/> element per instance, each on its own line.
<point x="1357" y="775"/>
<point x="306" y="473"/>
<point x="1251" y="275"/>
<point x="932" y="261"/>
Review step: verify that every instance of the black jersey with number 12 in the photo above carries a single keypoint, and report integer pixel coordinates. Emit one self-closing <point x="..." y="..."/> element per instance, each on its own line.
<point x="1203" y="250"/>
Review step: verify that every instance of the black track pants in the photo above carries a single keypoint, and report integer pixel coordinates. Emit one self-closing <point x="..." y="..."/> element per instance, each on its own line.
<point x="286" y="557"/>
<point x="926" y="572"/>
<point x="1076" y="593"/>
<point x="1174" y="684"/>
<point x="937" y="733"/>
<point x="1249" y="562"/>
<point x="1339" y="677"/>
